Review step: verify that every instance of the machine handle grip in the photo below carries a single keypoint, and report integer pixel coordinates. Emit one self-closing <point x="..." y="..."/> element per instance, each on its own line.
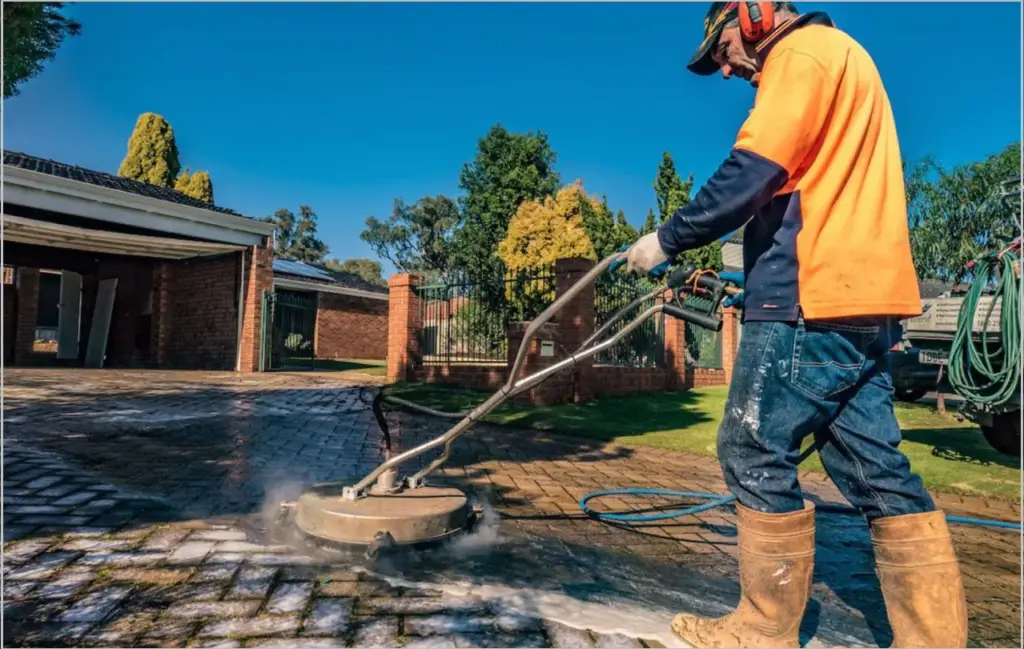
<point x="655" y="273"/>
<point x="682" y="275"/>
<point x="699" y="319"/>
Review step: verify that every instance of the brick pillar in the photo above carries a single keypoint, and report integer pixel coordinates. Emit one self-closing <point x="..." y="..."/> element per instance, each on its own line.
<point x="730" y="325"/>
<point x="575" y="324"/>
<point x="28" y="314"/>
<point x="160" y="333"/>
<point x="562" y="387"/>
<point x="259" y="279"/>
<point x="403" y="327"/>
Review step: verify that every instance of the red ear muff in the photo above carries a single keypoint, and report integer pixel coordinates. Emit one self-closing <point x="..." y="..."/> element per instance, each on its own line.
<point x="756" y="19"/>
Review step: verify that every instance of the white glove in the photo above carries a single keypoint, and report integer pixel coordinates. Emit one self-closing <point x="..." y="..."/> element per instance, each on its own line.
<point x="645" y="254"/>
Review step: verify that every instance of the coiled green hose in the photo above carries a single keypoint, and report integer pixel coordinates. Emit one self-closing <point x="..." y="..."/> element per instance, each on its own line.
<point x="984" y="372"/>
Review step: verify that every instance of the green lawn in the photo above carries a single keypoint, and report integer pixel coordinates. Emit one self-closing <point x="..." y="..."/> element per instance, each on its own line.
<point x="949" y="455"/>
<point x="354" y="366"/>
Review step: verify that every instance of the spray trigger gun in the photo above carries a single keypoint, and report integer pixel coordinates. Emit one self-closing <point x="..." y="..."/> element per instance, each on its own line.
<point x="698" y="295"/>
<point x="736" y="279"/>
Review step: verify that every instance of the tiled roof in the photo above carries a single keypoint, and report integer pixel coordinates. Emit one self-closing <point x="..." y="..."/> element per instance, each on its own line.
<point x="321" y="275"/>
<point x="71" y="172"/>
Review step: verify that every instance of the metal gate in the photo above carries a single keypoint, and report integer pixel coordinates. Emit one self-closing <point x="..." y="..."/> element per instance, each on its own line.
<point x="645" y="345"/>
<point x="289" y="327"/>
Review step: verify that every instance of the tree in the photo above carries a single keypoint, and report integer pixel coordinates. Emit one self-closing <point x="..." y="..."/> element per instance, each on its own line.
<point x="672" y="193"/>
<point x="297" y="239"/>
<point x="669" y="189"/>
<point x="508" y="169"/>
<point x="152" y="152"/>
<point x="650" y="225"/>
<point x="183" y="182"/>
<point x="544" y="231"/>
<point x="417" y="237"/>
<point x="624" y="232"/>
<point x="957" y="215"/>
<point x="33" y="31"/>
<point x="200" y="187"/>
<point x="368" y="270"/>
<point x="599" y="224"/>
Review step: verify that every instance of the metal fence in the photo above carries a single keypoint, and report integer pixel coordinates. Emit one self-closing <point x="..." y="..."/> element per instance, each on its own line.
<point x="289" y="339"/>
<point x="643" y="347"/>
<point x="465" y="319"/>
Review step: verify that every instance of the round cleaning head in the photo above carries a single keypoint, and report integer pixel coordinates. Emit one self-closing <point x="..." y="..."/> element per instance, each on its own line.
<point x="406" y="517"/>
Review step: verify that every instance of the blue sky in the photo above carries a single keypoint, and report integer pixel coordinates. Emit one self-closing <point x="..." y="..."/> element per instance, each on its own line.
<point x="346" y="106"/>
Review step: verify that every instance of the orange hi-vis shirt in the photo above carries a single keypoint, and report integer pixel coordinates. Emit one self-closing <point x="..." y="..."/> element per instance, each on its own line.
<point x="815" y="176"/>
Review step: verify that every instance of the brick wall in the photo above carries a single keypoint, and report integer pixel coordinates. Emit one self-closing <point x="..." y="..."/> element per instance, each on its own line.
<point x="403" y="327"/>
<point x="477" y="377"/>
<point x="568" y="329"/>
<point x="351" y="327"/>
<point x="612" y="380"/>
<point x="204" y="312"/>
<point x="27" y="288"/>
<point x="259" y="279"/>
<point x="10" y="300"/>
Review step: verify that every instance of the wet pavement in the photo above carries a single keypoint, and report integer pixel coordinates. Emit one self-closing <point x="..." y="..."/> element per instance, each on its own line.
<point x="137" y="507"/>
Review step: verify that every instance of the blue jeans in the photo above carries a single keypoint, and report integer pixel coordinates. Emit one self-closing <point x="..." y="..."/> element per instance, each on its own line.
<point x="829" y="380"/>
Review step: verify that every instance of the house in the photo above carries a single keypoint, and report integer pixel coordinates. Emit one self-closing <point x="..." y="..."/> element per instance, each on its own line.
<point x="334" y="314"/>
<point x="104" y="271"/>
<point x="732" y="252"/>
<point x="142" y="276"/>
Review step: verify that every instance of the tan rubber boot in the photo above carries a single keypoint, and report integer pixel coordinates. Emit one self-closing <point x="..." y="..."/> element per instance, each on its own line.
<point x="776" y="567"/>
<point x="921" y="582"/>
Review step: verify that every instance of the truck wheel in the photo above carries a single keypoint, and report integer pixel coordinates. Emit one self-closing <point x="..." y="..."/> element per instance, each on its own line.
<point x="1004" y="433"/>
<point x="910" y="396"/>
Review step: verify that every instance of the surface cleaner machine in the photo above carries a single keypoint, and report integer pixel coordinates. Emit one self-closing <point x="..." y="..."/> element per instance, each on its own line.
<point x="387" y="509"/>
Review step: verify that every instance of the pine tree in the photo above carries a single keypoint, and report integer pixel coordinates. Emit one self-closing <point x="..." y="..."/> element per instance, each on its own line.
<point x="650" y="225"/>
<point x="152" y="152"/>
<point x="625" y="233"/>
<point x="201" y="187"/>
<point x="182" y="183"/>
<point x="598" y="221"/>
<point x="670" y="190"/>
<point x="672" y="193"/>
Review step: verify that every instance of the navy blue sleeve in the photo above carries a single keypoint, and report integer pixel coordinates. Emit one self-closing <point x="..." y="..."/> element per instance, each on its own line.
<point x="743" y="184"/>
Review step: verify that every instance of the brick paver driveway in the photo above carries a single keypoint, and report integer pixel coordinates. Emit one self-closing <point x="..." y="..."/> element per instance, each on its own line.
<point x="137" y="511"/>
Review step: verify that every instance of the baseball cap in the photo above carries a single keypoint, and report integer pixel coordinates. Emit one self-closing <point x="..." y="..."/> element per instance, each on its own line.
<point x="718" y="15"/>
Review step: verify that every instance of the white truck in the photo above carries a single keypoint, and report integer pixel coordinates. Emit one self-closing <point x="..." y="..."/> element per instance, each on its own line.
<point x="932" y="333"/>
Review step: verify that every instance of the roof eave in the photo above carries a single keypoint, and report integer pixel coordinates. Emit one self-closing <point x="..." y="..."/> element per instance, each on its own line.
<point x="300" y="285"/>
<point x="53" y="193"/>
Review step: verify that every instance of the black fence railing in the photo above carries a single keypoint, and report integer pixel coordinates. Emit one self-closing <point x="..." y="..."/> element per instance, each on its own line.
<point x="644" y="346"/>
<point x="465" y="319"/>
<point x="290" y="324"/>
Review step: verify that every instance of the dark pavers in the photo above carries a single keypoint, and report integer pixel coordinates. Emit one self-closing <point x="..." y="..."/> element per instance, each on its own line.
<point x="134" y="502"/>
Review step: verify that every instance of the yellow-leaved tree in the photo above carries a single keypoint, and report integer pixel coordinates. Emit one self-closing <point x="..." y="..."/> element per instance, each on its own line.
<point x="540" y="233"/>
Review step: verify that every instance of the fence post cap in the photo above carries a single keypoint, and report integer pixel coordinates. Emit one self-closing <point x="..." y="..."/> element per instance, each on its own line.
<point x="574" y="263"/>
<point x="400" y="280"/>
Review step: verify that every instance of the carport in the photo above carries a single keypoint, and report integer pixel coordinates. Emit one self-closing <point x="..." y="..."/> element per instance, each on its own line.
<point x="148" y="277"/>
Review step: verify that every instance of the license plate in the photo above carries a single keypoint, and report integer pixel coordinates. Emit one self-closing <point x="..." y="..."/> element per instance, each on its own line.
<point x="933" y="357"/>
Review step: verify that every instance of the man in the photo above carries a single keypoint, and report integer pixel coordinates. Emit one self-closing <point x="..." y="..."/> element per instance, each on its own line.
<point x="815" y="180"/>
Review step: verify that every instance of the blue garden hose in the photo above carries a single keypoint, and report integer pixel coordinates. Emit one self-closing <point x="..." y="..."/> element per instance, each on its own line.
<point x="718" y="500"/>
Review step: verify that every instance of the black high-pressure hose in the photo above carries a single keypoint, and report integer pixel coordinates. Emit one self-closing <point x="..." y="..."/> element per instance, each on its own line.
<point x="376" y="404"/>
